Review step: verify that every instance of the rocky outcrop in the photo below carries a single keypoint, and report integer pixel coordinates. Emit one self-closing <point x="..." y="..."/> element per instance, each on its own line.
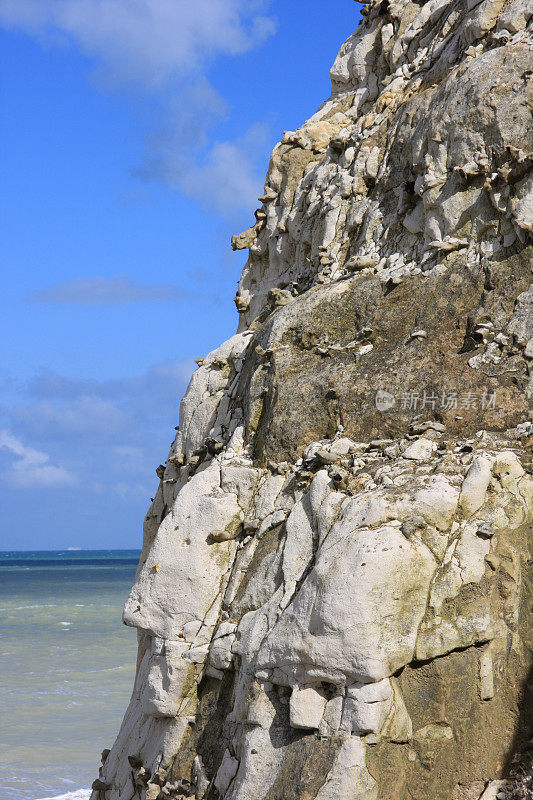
<point x="333" y="596"/>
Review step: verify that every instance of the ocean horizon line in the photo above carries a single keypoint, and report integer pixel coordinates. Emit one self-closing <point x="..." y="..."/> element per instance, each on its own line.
<point x="74" y="550"/>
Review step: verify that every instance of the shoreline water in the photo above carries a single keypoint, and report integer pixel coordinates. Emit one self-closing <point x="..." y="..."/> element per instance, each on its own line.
<point x="66" y="668"/>
<point x="79" y="794"/>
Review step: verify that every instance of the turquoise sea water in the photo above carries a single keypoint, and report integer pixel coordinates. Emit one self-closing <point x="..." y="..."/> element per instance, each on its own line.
<point x="66" y="668"/>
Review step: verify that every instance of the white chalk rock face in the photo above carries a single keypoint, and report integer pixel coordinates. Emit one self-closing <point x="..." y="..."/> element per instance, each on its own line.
<point x="183" y="555"/>
<point x="367" y="707"/>
<point x="331" y="601"/>
<point x="349" y="778"/>
<point x="475" y="485"/>
<point x="357" y="613"/>
<point x="168" y="676"/>
<point x="226" y="772"/>
<point x="307" y="706"/>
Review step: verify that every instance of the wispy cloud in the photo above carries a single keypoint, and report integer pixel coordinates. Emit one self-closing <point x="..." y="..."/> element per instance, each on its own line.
<point x="113" y="432"/>
<point x="224" y="175"/>
<point x="99" y="291"/>
<point x="148" y="42"/>
<point x="165" y="380"/>
<point x="164" y="49"/>
<point x="30" y="468"/>
<point x="88" y="415"/>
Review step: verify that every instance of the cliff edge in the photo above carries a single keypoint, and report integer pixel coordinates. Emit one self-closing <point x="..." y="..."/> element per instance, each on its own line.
<point x="333" y="599"/>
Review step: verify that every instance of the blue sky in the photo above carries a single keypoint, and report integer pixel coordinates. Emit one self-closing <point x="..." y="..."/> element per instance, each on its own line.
<point x="135" y="140"/>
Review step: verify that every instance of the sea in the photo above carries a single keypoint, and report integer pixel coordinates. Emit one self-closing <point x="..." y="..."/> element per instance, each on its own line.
<point x="66" y="668"/>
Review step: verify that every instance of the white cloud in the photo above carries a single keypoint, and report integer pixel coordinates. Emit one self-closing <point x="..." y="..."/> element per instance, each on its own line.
<point x="227" y="179"/>
<point x="147" y="41"/>
<point x="165" y="381"/>
<point x="224" y="175"/>
<point x="113" y="430"/>
<point x="165" y="48"/>
<point x="31" y="468"/>
<point x="108" y="291"/>
<point x="88" y="415"/>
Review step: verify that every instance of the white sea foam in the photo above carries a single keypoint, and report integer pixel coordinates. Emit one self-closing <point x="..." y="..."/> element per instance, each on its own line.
<point x="107" y="669"/>
<point x="79" y="794"/>
<point x="25" y="608"/>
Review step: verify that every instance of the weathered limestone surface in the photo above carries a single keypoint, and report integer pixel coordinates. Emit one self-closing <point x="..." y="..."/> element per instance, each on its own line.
<point x="333" y="599"/>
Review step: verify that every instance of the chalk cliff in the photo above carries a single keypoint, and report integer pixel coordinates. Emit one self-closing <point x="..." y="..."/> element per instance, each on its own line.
<point x="333" y="599"/>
